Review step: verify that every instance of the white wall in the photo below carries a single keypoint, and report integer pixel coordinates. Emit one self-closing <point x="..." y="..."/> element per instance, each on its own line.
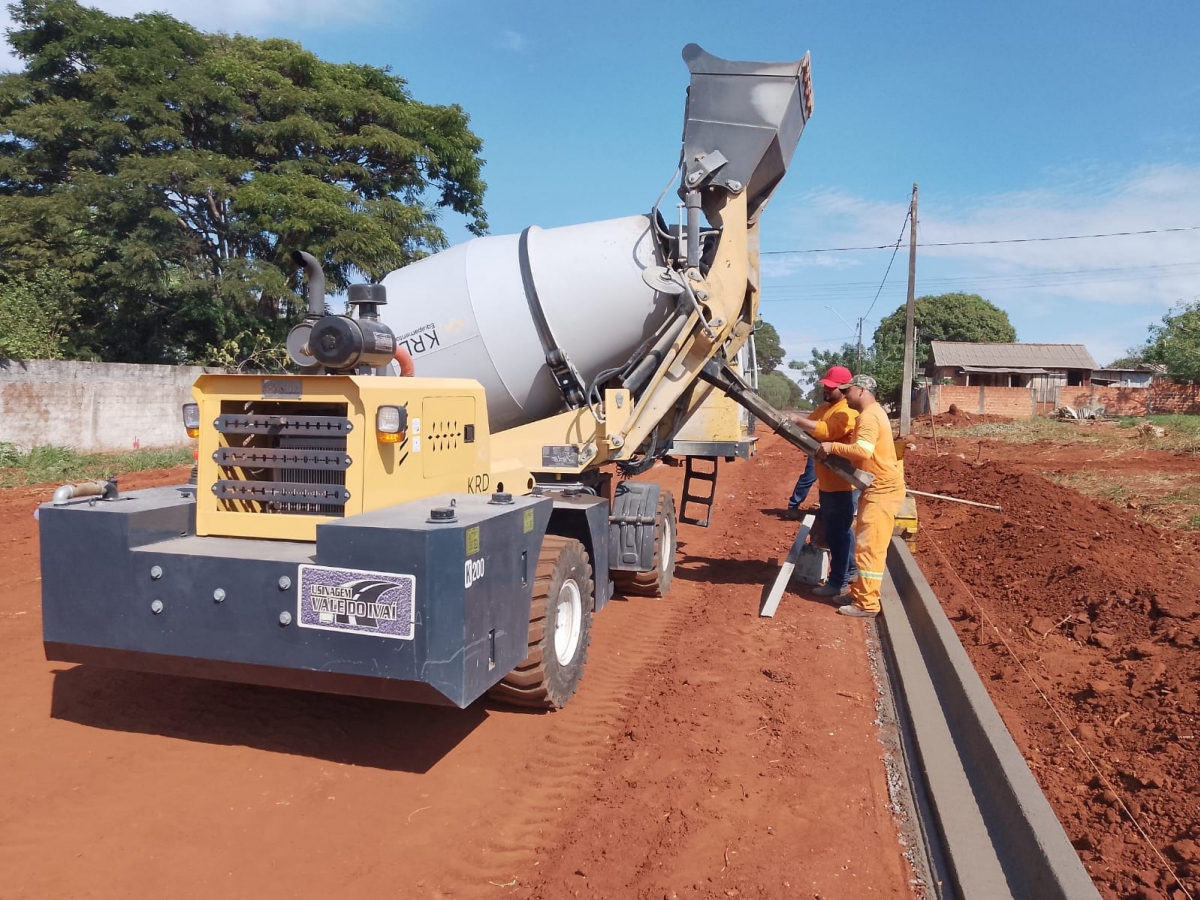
<point x="93" y="406"/>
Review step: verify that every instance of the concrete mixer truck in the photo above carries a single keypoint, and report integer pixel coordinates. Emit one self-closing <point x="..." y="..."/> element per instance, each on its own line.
<point x="439" y="537"/>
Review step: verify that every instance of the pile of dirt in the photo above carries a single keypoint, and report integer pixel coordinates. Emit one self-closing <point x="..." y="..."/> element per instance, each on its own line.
<point x="960" y="418"/>
<point x="1085" y="625"/>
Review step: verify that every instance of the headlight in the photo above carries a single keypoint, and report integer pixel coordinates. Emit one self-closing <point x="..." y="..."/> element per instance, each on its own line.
<point x="390" y="424"/>
<point x="191" y="419"/>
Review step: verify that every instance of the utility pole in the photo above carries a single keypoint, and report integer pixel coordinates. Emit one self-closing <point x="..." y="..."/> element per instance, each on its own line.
<point x="906" y="377"/>
<point x="858" y="371"/>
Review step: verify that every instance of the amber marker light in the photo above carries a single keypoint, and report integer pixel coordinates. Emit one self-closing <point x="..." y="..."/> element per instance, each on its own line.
<point x="390" y="424"/>
<point x="191" y="419"/>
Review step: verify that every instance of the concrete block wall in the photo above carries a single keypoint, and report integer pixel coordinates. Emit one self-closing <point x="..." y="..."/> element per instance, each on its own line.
<point x="93" y="406"/>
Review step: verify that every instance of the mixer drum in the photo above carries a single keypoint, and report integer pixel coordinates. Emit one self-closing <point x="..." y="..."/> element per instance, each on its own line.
<point x="466" y="312"/>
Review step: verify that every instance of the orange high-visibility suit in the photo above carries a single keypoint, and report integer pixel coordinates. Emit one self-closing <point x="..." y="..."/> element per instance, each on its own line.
<point x="835" y="422"/>
<point x="871" y="449"/>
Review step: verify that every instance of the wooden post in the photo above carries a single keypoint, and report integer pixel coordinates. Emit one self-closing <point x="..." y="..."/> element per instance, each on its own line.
<point x="906" y="378"/>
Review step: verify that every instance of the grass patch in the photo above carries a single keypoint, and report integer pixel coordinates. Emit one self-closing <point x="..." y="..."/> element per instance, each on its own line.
<point x="1188" y="495"/>
<point x="1183" y="424"/>
<point x="1183" y="432"/>
<point x="1101" y="487"/>
<point x="1145" y="493"/>
<point x="1030" y="431"/>
<point x="61" y="464"/>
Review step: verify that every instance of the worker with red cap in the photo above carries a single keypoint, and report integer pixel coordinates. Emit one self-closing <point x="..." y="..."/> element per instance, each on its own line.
<point x="870" y="448"/>
<point x="834" y="420"/>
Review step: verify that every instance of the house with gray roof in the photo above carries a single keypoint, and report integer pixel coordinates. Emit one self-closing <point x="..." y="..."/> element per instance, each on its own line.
<point x="1040" y="367"/>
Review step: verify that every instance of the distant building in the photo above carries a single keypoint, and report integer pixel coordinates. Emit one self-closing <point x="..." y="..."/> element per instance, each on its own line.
<point x="1138" y="376"/>
<point x="1040" y="367"/>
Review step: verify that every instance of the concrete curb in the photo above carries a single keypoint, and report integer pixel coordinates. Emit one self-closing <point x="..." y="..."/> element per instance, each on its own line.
<point x="998" y="834"/>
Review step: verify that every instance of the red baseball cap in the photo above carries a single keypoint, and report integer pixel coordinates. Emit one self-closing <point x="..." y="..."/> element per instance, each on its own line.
<point x="836" y="377"/>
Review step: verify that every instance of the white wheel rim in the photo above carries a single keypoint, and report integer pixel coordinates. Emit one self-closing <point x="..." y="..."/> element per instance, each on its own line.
<point x="667" y="551"/>
<point x="568" y="622"/>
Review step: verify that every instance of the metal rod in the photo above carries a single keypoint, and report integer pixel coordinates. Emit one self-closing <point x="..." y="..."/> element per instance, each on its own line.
<point x="952" y="499"/>
<point x="693" y="229"/>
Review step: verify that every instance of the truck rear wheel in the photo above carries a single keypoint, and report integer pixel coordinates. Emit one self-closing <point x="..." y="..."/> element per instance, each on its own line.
<point x="560" y="627"/>
<point x="657" y="581"/>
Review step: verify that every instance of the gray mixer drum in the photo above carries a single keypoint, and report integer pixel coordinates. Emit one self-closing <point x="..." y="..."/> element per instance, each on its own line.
<point x="466" y="312"/>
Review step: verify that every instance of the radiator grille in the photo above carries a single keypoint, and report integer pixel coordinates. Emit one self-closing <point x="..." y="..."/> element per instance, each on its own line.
<point x="283" y="458"/>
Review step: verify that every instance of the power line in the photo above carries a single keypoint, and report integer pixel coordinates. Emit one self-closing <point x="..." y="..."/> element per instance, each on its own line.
<point x="889" y="268"/>
<point x="835" y="292"/>
<point x="1022" y="240"/>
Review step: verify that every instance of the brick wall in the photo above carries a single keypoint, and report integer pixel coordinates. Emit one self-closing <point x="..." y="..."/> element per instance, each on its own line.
<point x="1166" y="397"/>
<point x="1014" y="403"/>
<point x="1161" y="398"/>
<point x="1117" y="401"/>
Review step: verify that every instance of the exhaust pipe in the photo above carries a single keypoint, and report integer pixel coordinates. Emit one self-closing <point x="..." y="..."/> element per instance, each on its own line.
<point x="316" y="282"/>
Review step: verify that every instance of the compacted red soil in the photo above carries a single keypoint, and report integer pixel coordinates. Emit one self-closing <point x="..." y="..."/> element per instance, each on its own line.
<point x="1085" y="625"/>
<point x="709" y="753"/>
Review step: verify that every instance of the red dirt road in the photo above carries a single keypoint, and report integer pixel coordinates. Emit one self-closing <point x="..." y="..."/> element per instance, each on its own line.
<point x="708" y="754"/>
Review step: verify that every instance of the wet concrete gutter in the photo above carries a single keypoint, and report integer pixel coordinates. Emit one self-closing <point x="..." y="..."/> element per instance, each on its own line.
<point x="995" y="832"/>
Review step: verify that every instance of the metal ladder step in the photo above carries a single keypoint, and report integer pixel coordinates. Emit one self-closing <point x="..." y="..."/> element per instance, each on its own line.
<point x="691" y="473"/>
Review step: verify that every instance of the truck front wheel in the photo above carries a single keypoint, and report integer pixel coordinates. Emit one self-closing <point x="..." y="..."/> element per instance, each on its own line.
<point x="560" y="627"/>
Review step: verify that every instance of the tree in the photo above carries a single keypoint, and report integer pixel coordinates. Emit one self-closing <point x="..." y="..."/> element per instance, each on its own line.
<point x="945" y="317"/>
<point x="823" y="360"/>
<point x="1133" y="358"/>
<point x="1175" y="342"/>
<point x="172" y="172"/>
<point x="781" y="392"/>
<point x="767" y="349"/>
<point x="36" y="314"/>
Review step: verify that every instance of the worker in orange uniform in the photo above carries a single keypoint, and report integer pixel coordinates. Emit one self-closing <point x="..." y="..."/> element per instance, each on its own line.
<point x="834" y="420"/>
<point x="871" y="449"/>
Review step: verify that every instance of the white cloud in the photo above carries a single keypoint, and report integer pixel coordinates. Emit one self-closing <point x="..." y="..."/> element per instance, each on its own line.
<point x="249" y="15"/>
<point x="245" y="16"/>
<point x="513" y="41"/>
<point x="1101" y="291"/>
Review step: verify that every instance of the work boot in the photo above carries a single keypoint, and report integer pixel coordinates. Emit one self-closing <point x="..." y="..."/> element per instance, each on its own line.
<point x="854" y="612"/>
<point x="831" y="590"/>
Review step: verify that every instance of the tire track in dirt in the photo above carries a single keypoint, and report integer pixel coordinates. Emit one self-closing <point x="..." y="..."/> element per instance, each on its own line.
<point x="194" y="789"/>
<point x="574" y="741"/>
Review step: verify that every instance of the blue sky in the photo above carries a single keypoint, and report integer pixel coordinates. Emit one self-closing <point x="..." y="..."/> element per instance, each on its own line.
<point x="1017" y="120"/>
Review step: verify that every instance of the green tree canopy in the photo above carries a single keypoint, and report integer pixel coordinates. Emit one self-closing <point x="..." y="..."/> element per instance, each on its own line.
<point x="1133" y="358"/>
<point x="767" y="349"/>
<point x="36" y="311"/>
<point x="781" y="392"/>
<point x="944" y="317"/>
<point x="821" y="361"/>
<point x="169" y="173"/>
<point x="1175" y="342"/>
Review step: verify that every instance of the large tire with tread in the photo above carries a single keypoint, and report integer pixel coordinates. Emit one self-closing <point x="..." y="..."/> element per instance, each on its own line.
<point x="560" y="627"/>
<point x="657" y="581"/>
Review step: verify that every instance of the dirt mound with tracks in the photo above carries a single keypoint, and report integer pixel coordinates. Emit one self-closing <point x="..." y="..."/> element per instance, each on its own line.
<point x="1085" y="626"/>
